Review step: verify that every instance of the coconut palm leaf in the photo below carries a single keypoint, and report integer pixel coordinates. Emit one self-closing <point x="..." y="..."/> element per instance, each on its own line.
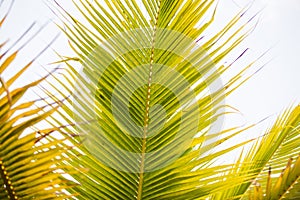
<point x="286" y="186"/>
<point x="145" y="114"/>
<point x="287" y="142"/>
<point x="279" y="144"/>
<point x="137" y="55"/>
<point x="27" y="155"/>
<point x="148" y="104"/>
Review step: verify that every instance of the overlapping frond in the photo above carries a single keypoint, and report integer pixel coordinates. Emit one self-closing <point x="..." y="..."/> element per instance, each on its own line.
<point x="277" y="146"/>
<point x="144" y="112"/>
<point x="284" y="140"/>
<point x="28" y="156"/>
<point x="286" y="186"/>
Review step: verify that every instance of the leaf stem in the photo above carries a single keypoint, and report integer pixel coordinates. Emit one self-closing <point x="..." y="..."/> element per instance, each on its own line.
<point x="146" y="117"/>
<point x="7" y="183"/>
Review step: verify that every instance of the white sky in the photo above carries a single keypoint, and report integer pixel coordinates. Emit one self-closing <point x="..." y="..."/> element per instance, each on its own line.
<point x="277" y="85"/>
<point x="270" y="91"/>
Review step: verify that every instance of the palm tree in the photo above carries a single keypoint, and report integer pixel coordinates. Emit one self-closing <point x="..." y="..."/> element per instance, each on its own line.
<point x="147" y="107"/>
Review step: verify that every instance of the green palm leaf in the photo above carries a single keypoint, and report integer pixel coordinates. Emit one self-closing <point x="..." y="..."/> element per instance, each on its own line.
<point x="286" y="186"/>
<point x="273" y="151"/>
<point x="145" y="112"/>
<point x="28" y="158"/>
<point x="287" y="141"/>
<point x="136" y="56"/>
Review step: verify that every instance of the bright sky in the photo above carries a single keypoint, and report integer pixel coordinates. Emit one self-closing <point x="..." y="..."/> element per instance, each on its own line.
<point x="270" y="91"/>
<point x="277" y="85"/>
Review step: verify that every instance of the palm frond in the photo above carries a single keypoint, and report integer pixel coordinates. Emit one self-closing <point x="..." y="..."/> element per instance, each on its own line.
<point x="149" y="99"/>
<point x="28" y="156"/>
<point x="286" y="186"/>
<point x="272" y="151"/>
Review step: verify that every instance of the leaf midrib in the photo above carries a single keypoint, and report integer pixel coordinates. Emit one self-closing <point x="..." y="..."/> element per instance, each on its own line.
<point x="289" y="188"/>
<point x="8" y="186"/>
<point x="147" y="108"/>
